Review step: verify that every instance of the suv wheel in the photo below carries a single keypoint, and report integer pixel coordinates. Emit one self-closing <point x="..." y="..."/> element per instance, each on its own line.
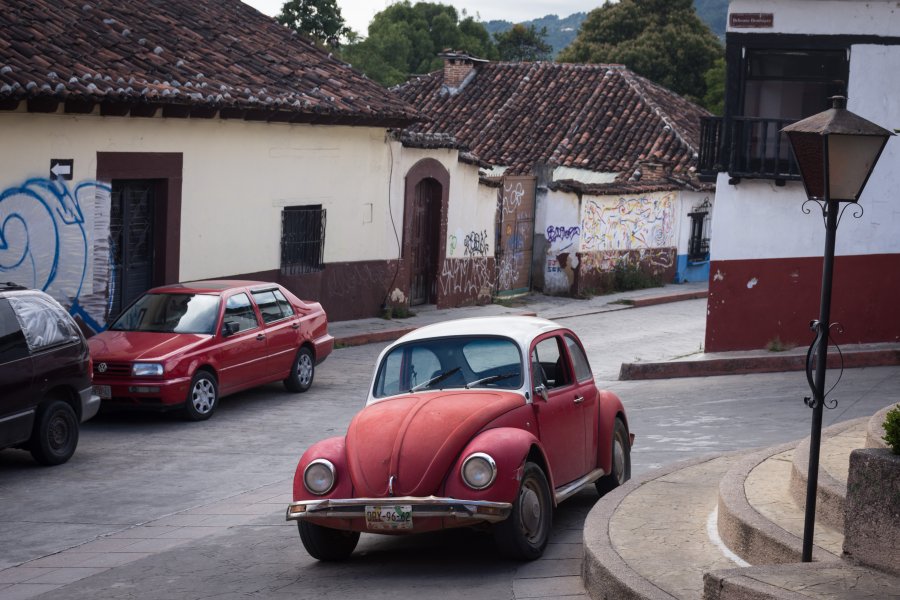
<point x="55" y="434"/>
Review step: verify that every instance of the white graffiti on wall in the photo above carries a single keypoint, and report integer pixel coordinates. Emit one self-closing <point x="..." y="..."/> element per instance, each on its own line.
<point x="627" y="223"/>
<point x="509" y="271"/>
<point x="55" y="239"/>
<point x="512" y="197"/>
<point x="466" y="276"/>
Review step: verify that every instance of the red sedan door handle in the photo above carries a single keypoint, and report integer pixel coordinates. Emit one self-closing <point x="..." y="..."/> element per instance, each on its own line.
<point x="260" y="336"/>
<point x="579" y="399"/>
<point x="295" y="326"/>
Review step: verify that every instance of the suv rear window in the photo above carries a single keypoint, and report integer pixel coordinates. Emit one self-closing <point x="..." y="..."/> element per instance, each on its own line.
<point x="12" y="340"/>
<point x="44" y="322"/>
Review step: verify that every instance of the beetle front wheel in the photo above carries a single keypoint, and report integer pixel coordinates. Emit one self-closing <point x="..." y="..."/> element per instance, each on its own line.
<point x="524" y="534"/>
<point x="324" y="543"/>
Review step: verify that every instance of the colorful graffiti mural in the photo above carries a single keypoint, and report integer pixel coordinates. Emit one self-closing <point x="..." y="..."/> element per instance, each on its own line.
<point x="628" y="223"/>
<point x="56" y="240"/>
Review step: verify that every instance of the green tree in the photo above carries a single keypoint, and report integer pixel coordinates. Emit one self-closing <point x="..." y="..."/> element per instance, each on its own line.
<point x="714" y="100"/>
<point x="523" y="43"/>
<point x="320" y="20"/>
<point x="406" y="38"/>
<point x="663" y="40"/>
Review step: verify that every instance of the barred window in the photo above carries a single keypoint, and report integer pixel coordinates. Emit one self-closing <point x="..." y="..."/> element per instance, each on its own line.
<point x="302" y="239"/>
<point x="698" y="244"/>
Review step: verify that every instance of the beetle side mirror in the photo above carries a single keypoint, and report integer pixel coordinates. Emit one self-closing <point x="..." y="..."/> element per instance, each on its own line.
<point x="541" y="390"/>
<point x="230" y="328"/>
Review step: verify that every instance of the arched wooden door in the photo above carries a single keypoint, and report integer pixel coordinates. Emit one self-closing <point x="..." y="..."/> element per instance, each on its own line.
<point x="424" y="242"/>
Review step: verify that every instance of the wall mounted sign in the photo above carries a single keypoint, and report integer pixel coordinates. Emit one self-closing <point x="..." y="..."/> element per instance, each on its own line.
<point x="62" y="168"/>
<point x="751" y="20"/>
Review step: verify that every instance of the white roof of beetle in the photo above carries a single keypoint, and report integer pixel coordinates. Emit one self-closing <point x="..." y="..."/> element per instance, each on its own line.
<point x="521" y="329"/>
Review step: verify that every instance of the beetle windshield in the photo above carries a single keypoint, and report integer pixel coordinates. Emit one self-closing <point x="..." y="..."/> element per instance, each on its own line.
<point x="454" y="362"/>
<point x="170" y="313"/>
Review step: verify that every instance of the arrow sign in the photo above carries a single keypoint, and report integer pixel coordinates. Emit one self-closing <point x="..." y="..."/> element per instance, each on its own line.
<point x="62" y="168"/>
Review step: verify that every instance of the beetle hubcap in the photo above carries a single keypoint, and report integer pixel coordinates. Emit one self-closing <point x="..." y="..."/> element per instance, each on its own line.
<point x="619" y="460"/>
<point x="203" y="396"/>
<point x="304" y="368"/>
<point x="530" y="510"/>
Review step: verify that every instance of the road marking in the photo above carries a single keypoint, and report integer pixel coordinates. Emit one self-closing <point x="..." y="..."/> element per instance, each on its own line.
<point x="712" y="531"/>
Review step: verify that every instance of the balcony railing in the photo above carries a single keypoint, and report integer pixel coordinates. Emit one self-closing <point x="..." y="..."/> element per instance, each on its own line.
<point x="746" y="148"/>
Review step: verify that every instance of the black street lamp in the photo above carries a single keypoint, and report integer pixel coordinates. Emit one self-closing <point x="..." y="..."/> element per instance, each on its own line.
<point x="836" y="151"/>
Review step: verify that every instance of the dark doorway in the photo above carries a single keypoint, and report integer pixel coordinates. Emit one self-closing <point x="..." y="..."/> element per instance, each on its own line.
<point x="131" y="232"/>
<point x="425" y="241"/>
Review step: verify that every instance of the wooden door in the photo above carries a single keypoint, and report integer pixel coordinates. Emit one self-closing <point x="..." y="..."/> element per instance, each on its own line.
<point x="425" y="242"/>
<point x="132" y="215"/>
<point x="515" y="235"/>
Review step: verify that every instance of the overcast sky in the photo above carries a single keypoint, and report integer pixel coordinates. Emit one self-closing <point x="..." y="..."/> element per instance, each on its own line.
<point x="358" y="13"/>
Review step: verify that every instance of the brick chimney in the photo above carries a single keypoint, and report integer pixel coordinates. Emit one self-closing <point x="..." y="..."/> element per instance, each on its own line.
<point x="458" y="67"/>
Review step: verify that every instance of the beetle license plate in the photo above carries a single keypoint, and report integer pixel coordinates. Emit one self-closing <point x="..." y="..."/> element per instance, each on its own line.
<point x="389" y="517"/>
<point x="103" y="391"/>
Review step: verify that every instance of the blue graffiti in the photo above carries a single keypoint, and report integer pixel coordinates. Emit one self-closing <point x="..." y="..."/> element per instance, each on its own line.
<point x="44" y="240"/>
<point x="558" y="232"/>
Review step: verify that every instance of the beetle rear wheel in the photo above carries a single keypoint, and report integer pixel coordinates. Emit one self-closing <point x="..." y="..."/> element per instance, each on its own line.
<point x="327" y="544"/>
<point x="621" y="461"/>
<point x="524" y="534"/>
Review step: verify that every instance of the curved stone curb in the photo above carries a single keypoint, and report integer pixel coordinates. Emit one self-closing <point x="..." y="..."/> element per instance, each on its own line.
<point x="830" y="493"/>
<point x="749" y="534"/>
<point x="801" y="581"/>
<point x="875" y="428"/>
<point x="606" y="576"/>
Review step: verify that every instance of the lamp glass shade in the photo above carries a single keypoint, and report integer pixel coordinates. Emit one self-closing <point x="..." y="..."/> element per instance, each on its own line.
<point x="851" y="159"/>
<point x="809" y="150"/>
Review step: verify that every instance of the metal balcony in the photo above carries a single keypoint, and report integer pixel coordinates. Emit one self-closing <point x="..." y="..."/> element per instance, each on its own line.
<point x="746" y="148"/>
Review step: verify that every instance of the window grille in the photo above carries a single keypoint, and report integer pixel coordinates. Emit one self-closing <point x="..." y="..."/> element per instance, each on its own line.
<point x="302" y="239"/>
<point x="698" y="244"/>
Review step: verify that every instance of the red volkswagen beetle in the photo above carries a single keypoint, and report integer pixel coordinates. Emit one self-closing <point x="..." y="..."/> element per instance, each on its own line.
<point x="187" y="345"/>
<point x="476" y="422"/>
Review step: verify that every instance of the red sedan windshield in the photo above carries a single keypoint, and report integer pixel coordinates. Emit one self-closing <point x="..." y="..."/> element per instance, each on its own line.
<point x="170" y="313"/>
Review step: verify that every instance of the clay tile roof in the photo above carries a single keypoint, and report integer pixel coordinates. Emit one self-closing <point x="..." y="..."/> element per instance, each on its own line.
<point x="196" y="56"/>
<point x="601" y="118"/>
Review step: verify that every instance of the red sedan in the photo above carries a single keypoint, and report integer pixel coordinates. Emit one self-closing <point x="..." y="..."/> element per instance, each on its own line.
<point x="189" y="344"/>
<point x="476" y="422"/>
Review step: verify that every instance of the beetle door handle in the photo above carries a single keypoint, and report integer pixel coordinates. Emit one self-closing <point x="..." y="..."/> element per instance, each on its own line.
<point x="579" y="399"/>
<point x="260" y="336"/>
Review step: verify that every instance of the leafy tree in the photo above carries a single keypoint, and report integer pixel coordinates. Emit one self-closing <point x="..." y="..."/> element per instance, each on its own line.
<point x="663" y="40"/>
<point x="714" y="100"/>
<point x="406" y="38"/>
<point x="320" y="20"/>
<point x="523" y="43"/>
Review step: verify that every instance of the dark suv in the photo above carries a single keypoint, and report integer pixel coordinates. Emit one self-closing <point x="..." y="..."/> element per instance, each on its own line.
<point x="45" y="376"/>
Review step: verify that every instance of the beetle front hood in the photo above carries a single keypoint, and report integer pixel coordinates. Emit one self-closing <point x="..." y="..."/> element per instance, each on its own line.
<point x="416" y="438"/>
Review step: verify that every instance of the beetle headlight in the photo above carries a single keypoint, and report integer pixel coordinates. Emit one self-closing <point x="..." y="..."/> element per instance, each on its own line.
<point x="146" y="369"/>
<point x="479" y="470"/>
<point x="318" y="477"/>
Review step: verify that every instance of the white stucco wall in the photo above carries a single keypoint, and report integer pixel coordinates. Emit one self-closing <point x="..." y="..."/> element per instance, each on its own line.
<point x="237" y="177"/>
<point x="811" y="17"/>
<point x="756" y="219"/>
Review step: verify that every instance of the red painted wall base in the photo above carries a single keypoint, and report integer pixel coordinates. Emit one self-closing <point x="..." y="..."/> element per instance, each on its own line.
<point x="753" y="302"/>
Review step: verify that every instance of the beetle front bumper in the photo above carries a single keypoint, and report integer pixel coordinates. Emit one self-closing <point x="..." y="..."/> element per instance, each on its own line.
<point x="428" y="506"/>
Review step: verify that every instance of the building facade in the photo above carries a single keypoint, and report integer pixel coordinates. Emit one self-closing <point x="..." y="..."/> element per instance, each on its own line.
<point x="784" y="60"/>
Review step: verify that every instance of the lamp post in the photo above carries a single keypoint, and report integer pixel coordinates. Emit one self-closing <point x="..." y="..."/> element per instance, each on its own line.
<point x="836" y="151"/>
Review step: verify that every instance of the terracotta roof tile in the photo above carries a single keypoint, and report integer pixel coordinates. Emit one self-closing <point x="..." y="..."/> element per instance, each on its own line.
<point x="219" y="54"/>
<point x="602" y="118"/>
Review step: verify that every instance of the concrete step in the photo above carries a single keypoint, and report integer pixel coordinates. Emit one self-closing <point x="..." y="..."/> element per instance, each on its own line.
<point x="758" y="519"/>
<point x="680" y="532"/>
<point x="651" y="538"/>
<point x="834" y="461"/>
